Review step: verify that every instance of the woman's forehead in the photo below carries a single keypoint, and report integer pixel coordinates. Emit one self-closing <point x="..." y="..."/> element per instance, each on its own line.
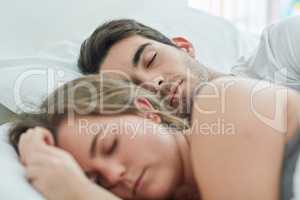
<point x="83" y="128"/>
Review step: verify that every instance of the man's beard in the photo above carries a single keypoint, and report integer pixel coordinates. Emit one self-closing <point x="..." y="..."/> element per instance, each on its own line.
<point x="197" y="76"/>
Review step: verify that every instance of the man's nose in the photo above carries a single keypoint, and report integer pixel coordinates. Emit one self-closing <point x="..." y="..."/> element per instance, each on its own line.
<point x="153" y="85"/>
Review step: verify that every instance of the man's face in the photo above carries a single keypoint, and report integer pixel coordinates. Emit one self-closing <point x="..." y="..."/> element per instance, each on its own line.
<point x="171" y="72"/>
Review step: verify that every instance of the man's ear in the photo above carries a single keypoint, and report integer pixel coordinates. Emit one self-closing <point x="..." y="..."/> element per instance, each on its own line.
<point x="142" y="103"/>
<point x="185" y="45"/>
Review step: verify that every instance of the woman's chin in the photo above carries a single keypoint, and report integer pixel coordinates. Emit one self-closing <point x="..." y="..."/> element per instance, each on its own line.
<point x="159" y="191"/>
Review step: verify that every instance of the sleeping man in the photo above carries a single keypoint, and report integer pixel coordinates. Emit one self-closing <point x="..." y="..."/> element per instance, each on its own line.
<point x="169" y="66"/>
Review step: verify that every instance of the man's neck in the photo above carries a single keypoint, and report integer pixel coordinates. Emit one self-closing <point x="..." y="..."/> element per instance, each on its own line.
<point x="213" y="74"/>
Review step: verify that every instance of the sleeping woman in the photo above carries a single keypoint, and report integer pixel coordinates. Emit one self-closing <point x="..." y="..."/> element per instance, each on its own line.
<point x="96" y="135"/>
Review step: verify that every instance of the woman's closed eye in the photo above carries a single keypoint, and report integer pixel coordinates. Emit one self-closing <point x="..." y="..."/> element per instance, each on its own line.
<point x="111" y="147"/>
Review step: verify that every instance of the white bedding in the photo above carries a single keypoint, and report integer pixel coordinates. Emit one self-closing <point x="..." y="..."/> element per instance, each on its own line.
<point x="13" y="185"/>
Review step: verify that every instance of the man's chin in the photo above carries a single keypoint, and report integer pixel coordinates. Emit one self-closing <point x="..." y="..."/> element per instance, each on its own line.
<point x="184" y="108"/>
<point x="181" y="111"/>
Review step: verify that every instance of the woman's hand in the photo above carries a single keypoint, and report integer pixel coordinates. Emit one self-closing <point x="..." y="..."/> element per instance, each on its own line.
<point x="52" y="171"/>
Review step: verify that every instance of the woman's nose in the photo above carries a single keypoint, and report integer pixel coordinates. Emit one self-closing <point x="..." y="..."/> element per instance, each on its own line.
<point x="112" y="174"/>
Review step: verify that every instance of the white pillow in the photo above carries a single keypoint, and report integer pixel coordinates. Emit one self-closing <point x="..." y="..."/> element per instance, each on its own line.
<point x="24" y="86"/>
<point x="13" y="184"/>
<point x="218" y="43"/>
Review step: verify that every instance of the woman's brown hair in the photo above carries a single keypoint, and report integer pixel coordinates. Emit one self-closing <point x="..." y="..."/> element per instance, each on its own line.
<point x="91" y="95"/>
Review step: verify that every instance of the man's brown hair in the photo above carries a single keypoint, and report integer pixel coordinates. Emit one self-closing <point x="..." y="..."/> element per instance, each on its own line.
<point x="95" y="48"/>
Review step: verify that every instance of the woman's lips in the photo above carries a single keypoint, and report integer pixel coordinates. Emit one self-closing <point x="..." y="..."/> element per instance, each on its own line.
<point x="138" y="183"/>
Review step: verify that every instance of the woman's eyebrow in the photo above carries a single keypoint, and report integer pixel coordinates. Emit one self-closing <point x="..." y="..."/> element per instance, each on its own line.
<point x="94" y="145"/>
<point x="138" y="53"/>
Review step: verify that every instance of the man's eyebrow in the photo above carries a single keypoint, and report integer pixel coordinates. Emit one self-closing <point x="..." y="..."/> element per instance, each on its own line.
<point x="138" y="53"/>
<point x="94" y="145"/>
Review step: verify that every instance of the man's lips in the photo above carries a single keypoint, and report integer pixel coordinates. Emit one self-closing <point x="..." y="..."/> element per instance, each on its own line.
<point x="138" y="182"/>
<point x="173" y="92"/>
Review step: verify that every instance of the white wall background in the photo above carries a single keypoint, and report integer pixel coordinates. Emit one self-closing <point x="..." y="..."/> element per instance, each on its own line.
<point x="247" y="15"/>
<point x="30" y="25"/>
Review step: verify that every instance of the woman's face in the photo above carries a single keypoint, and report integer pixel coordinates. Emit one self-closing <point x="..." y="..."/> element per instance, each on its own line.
<point x="134" y="157"/>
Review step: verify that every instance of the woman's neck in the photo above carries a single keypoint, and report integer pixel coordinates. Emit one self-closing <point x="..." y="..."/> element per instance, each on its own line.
<point x="184" y="151"/>
<point x="188" y="189"/>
